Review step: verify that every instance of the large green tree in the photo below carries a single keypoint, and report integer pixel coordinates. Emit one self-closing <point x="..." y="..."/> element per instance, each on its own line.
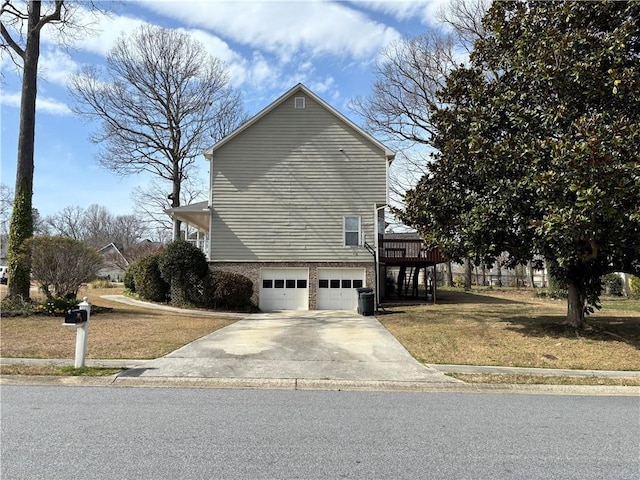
<point x="538" y="145"/>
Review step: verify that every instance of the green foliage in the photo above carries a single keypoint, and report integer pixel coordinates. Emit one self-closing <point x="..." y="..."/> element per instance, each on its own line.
<point x="182" y="264"/>
<point x="634" y="285"/>
<point x="148" y="281"/>
<point x="538" y="145"/>
<point x="222" y="290"/>
<point x="16" y="307"/>
<point x="557" y="289"/>
<point x="231" y="290"/>
<point x="129" y="276"/>
<point x="62" y="265"/>
<point x="20" y="231"/>
<point x="612" y="284"/>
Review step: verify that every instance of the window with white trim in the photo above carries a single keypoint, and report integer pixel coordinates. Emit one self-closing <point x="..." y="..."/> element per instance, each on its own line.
<point x="352" y="231"/>
<point x="299" y="103"/>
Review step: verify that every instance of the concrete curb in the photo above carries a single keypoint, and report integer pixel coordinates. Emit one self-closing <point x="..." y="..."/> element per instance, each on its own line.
<point x="320" y="385"/>
<point x="467" y="369"/>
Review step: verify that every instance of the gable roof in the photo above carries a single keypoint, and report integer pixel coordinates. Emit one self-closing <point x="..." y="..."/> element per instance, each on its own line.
<point x="111" y="248"/>
<point x="299" y="88"/>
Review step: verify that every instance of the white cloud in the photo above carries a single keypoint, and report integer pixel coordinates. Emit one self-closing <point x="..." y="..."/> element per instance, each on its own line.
<point x="43" y="104"/>
<point x="56" y="66"/>
<point x="400" y="9"/>
<point x="105" y="32"/>
<point x="403" y="10"/>
<point x="284" y="28"/>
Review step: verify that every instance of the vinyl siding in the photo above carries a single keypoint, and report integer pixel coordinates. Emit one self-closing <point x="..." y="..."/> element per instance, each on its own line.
<point x="281" y="188"/>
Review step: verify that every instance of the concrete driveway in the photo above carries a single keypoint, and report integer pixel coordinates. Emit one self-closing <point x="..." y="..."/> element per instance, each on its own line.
<point x="318" y="345"/>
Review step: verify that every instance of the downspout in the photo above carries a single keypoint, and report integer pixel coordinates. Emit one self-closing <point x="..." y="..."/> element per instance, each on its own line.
<point x="376" y="254"/>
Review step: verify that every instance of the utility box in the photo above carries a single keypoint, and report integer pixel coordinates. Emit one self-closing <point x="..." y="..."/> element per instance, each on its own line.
<point x="366" y="301"/>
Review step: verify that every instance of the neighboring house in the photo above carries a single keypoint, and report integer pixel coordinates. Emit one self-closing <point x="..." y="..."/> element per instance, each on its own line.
<point x="114" y="263"/>
<point x="297" y="196"/>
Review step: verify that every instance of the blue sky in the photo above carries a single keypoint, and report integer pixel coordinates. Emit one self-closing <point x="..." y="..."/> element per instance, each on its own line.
<point x="268" y="47"/>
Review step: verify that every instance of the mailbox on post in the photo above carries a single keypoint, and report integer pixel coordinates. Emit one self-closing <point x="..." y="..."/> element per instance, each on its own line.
<point x="75" y="316"/>
<point x="79" y="319"/>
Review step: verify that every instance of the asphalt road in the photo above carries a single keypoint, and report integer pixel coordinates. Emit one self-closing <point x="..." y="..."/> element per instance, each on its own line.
<point x="173" y="433"/>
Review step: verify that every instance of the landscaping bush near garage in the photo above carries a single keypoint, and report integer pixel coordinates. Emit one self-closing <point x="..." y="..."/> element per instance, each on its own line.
<point x="231" y="290"/>
<point x="149" y="283"/>
<point x="181" y="276"/>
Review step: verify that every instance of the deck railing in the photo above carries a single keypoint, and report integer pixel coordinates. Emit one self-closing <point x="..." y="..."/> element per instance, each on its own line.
<point x="408" y="251"/>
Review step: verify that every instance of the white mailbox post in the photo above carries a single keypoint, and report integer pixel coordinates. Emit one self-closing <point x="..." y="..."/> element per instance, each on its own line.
<point x="81" y="324"/>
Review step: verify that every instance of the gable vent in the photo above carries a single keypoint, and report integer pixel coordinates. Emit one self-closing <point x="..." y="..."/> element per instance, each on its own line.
<point x="299" y="103"/>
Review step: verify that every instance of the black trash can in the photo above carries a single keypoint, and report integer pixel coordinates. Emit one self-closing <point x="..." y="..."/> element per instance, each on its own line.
<point x="366" y="301"/>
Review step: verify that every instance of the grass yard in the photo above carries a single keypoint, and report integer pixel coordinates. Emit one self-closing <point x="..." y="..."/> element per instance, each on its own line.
<point x="545" y="380"/>
<point x="124" y="332"/>
<point x="513" y="328"/>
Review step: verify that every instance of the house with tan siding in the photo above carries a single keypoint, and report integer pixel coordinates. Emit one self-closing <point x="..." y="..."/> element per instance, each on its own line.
<point x="296" y="203"/>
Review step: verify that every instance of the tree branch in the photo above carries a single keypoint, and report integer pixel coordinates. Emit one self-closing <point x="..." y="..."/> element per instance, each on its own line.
<point x="10" y="41"/>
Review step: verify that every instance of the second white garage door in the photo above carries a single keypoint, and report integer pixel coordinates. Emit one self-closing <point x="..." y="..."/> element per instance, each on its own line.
<point x="284" y="289"/>
<point x="337" y="288"/>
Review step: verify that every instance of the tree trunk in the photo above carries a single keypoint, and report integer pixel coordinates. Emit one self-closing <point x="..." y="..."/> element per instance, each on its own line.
<point x="530" y="272"/>
<point x="175" y="202"/>
<point x="448" y="277"/>
<point x="467" y="274"/>
<point x="21" y="227"/>
<point x="575" y="306"/>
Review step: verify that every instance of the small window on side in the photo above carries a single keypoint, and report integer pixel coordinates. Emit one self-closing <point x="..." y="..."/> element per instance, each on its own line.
<point x="351" y="231"/>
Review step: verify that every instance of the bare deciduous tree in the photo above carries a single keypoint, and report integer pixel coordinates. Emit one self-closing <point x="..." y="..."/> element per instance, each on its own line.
<point x="68" y="222"/>
<point x="6" y="202"/>
<point x="96" y="226"/>
<point x="21" y="24"/>
<point x="404" y="95"/>
<point x="151" y="202"/>
<point x="157" y="106"/>
<point x="61" y="265"/>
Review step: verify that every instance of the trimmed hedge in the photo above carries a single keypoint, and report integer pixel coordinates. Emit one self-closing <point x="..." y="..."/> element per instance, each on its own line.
<point x="129" y="276"/>
<point x="182" y="265"/>
<point x="231" y="290"/>
<point x="147" y="279"/>
<point x="181" y="274"/>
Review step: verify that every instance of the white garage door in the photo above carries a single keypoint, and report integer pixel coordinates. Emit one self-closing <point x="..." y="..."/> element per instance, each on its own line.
<point x="284" y="289"/>
<point x="337" y="288"/>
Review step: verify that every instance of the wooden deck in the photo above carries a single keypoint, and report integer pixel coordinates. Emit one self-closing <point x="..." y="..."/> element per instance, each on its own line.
<point x="408" y="251"/>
